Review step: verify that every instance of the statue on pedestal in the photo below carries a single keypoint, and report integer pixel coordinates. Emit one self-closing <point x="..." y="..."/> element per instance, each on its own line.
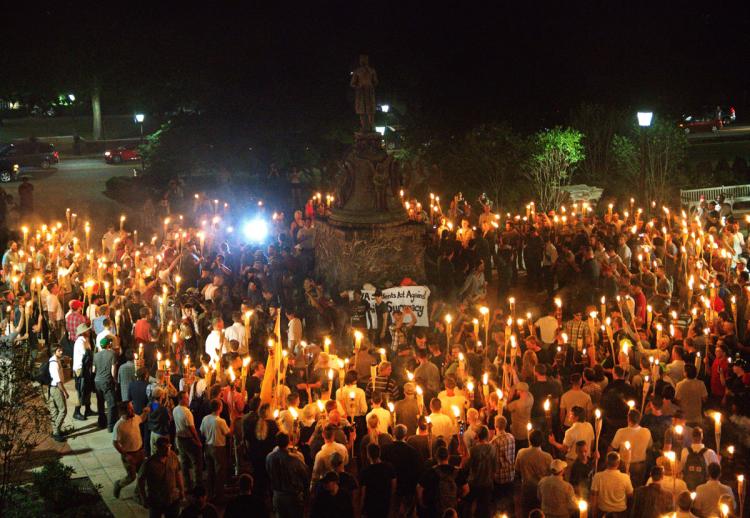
<point x="368" y="236"/>
<point x="364" y="80"/>
<point x="368" y="179"/>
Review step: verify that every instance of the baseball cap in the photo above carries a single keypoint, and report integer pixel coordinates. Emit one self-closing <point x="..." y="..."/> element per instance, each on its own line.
<point x="558" y="466"/>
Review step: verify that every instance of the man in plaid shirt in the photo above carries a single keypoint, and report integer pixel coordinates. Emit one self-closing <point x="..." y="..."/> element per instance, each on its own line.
<point x="577" y="329"/>
<point x="74" y="318"/>
<point x="505" y="448"/>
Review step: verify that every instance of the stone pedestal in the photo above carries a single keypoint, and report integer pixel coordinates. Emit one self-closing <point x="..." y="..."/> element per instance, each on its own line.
<point x="348" y="256"/>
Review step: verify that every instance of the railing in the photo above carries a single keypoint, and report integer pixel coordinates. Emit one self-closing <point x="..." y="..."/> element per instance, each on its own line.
<point x="692" y="197"/>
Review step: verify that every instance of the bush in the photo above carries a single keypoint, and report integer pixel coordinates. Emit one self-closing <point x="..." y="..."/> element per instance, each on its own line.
<point x="54" y="484"/>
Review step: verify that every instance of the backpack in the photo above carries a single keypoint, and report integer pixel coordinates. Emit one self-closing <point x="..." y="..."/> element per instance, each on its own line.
<point x="694" y="470"/>
<point x="42" y="375"/>
<point x="447" y="490"/>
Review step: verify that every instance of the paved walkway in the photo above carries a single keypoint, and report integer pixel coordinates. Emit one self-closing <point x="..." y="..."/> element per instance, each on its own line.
<point x="90" y="452"/>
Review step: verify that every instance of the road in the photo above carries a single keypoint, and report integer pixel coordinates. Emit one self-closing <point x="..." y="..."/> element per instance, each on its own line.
<point x="733" y="131"/>
<point x="78" y="184"/>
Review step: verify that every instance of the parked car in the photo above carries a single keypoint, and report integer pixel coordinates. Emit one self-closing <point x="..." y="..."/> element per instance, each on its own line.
<point x="699" y="123"/>
<point x="708" y="118"/>
<point x="8" y="170"/>
<point x="30" y="154"/>
<point x="122" y="154"/>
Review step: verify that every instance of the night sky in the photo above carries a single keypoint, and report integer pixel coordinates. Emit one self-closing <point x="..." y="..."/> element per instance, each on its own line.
<point x="444" y="63"/>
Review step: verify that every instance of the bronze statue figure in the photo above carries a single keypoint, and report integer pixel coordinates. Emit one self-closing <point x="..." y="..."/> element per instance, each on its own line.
<point x="364" y="80"/>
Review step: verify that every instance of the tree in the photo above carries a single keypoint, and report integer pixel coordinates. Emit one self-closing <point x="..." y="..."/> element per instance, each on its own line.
<point x="487" y="159"/>
<point x="24" y="418"/>
<point x="650" y="157"/>
<point x="599" y="124"/>
<point x="555" y="153"/>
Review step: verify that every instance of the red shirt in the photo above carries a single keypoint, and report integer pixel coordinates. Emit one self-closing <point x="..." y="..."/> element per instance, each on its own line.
<point x="640" y="306"/>
<point x="142" y="328"/>
<point x="717" y="389"/>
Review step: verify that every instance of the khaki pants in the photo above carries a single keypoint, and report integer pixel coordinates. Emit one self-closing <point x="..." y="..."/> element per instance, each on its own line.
<point x="216" y="462"/>
<point x="191" y="461"/>
<point x="58" y="409"/>
<point x="131" y="462"/>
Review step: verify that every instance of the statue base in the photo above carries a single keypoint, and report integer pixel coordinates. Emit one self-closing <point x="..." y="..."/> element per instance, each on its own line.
<point x="347" y="256"/>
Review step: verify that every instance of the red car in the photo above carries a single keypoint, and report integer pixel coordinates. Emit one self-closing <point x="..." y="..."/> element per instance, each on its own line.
<point x="707" y="119"/>
<point x="122" y="154"/>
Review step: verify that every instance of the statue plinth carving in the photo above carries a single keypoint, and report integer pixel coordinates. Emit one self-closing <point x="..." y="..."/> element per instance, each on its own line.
<point x="367" y="185"/>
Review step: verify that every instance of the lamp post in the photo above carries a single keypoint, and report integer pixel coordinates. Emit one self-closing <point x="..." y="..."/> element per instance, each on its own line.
<point x="645" y="118"/>
<point x="644" y="121"/>
<point x="139" y="118"/>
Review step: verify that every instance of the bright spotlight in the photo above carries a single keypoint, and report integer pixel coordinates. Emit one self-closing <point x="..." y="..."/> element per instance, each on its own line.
<point x="380" y="129"/>
<point x="255" y="230"/>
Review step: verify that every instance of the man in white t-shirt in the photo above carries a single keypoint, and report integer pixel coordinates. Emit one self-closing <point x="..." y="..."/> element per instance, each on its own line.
<point x="214" y="339"/>
<point x="384" y="416"/>
<point x="547" y="328"/>
<point x="82" y="364"/>
<point x="322" y="462"/>
<point x="611" y="488"/>
<point x="581" y="430"/>
<point x="639" y="439"/>
<point x="452" y="397"/>
<point x="188" y="441"/>
<point x="215" y="430"/>
<point x="105" y="333"/>
<point x="441" y="423"/>
<point x="108" y="241"/>
<point x="236" y="332"/>
<point x="126" y="438"/>
<point x="294" y="331"/>
<point x="57" y="402"/>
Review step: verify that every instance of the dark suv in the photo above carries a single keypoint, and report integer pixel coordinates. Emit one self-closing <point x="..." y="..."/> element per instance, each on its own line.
<point x="30" y="154"/>
<point x="8" y="170"/>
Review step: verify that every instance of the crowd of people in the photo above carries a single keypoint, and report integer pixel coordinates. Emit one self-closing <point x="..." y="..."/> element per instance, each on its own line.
<point x="576" y="363"/>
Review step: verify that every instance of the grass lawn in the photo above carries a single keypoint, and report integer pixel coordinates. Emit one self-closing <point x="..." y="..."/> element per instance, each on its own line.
<point x="713" y="151"/>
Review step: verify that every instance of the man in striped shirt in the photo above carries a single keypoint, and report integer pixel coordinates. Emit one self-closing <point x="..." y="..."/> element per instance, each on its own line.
<point x="383" y="383"/>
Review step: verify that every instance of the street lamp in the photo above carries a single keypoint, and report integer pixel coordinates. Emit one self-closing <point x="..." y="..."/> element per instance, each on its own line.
<point x="385" y="108"/>
<point x="380" y="129"/>
<point x="644" y="121"/>
<point x="71" y="98"/>
<point x="139" y="118"/>
<point x="644" y="118"/>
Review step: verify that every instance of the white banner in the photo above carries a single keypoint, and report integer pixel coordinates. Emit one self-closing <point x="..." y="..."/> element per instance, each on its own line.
<point x="417" y="297"/>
